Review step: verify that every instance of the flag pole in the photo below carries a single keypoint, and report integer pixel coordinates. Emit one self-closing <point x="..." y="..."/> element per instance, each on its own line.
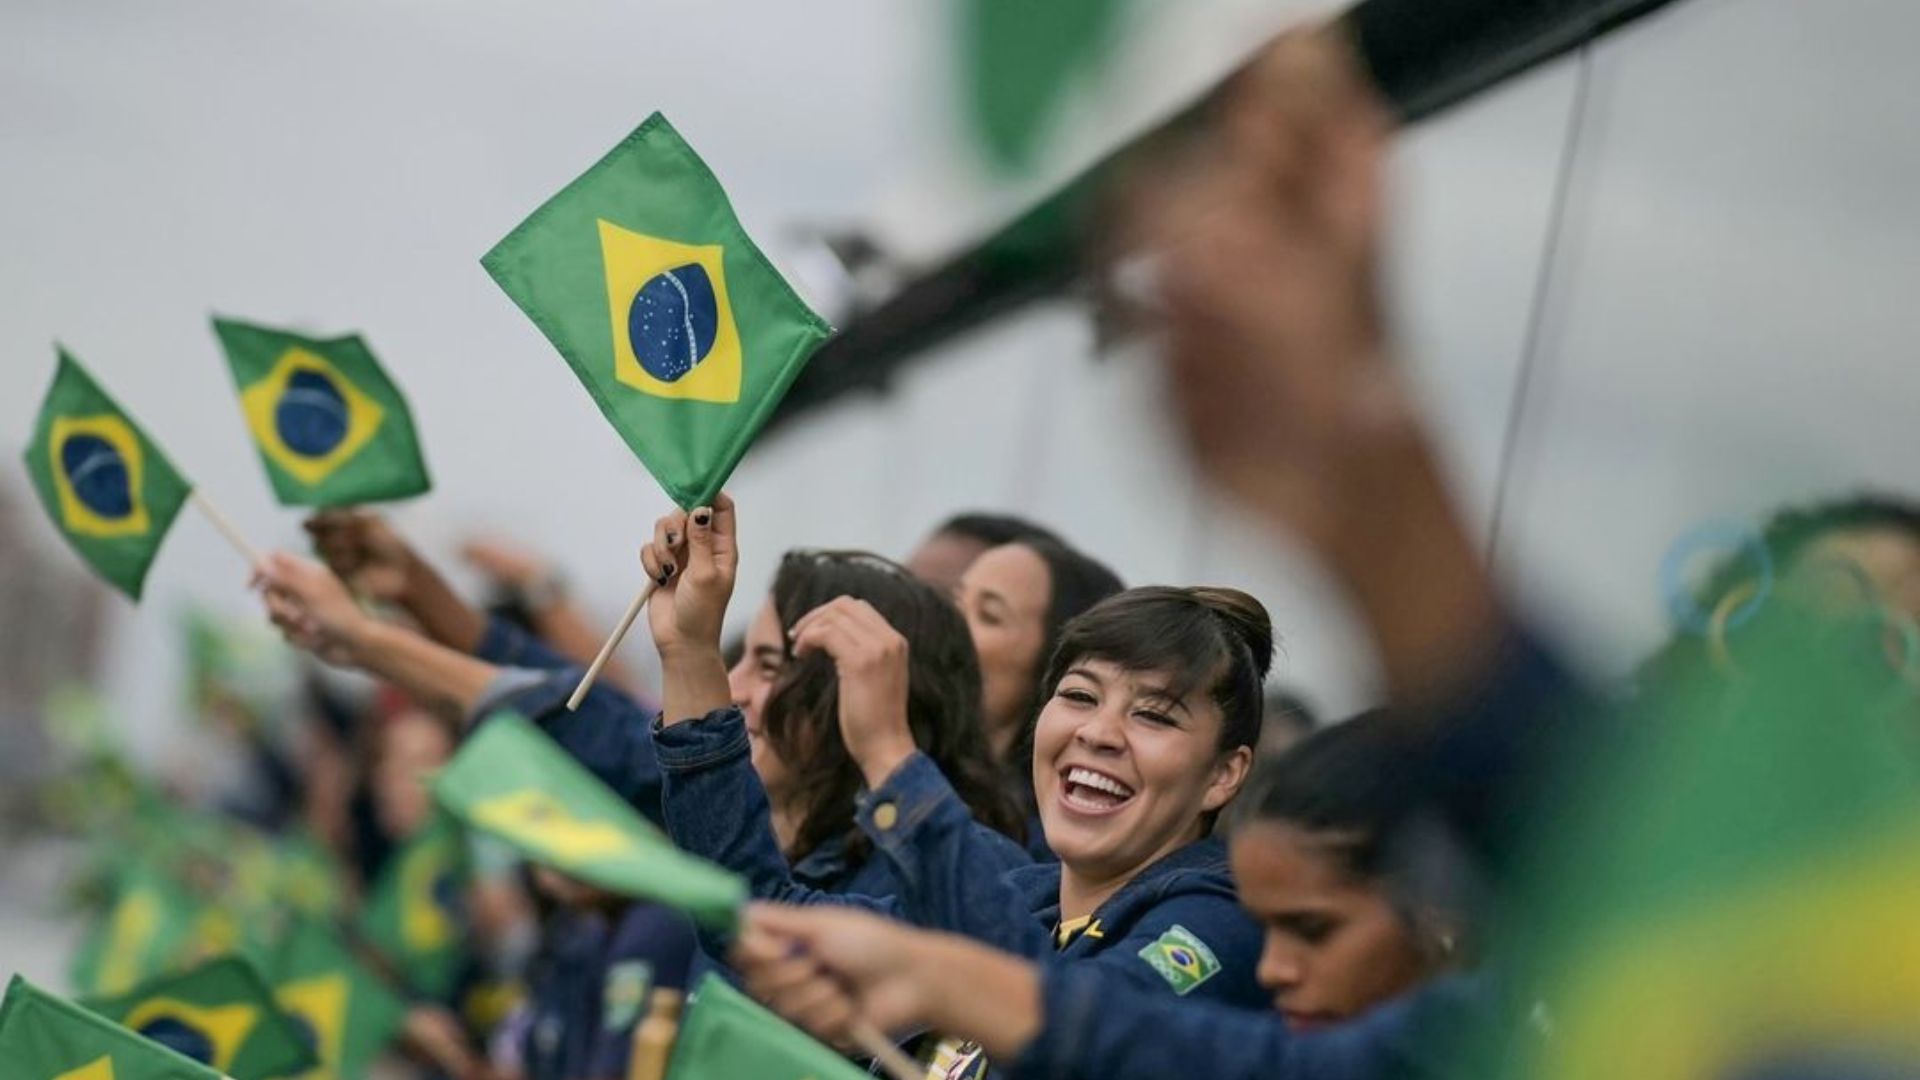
<point x="225" y="525"/>
<point x="613" y="642"/>
<point x="893" y="1061"/>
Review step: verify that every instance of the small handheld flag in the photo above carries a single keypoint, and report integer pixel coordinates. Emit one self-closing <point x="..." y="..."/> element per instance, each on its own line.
<point x="412" y="913"/>
<point x="43" y="1037"/>
<point x="346" y="1013"/>
<point x="143" y="930"/>
<point x="512" y="782"/>
<point x="331" y="427"/>
<point x="727" y="1034"/>
<point x="107" y="486"/>
<point x="221" y="1015"/>
<point x="680" y="328"/>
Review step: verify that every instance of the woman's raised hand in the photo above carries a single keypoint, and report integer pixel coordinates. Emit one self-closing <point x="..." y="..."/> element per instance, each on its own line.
<point x="870" y="658"/>
<point x="827" y="968"/>
<point x="365" y="552"/>
<point x="313" y="608"/>
<point x="693" y="557"/>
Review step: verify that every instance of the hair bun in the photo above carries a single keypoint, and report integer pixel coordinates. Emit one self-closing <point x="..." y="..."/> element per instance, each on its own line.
<point x="1245" y="616"/>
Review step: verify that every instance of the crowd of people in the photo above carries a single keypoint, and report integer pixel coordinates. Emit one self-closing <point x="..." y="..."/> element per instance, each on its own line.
<point x="1030" y="820"/>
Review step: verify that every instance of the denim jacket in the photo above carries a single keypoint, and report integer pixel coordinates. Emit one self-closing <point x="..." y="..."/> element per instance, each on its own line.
<point x="1095" y="1031"/>
<point x="1177" y="925"/>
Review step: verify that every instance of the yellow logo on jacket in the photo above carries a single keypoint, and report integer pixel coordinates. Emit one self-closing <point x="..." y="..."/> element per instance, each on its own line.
<point x="308" y="417"/>
<point x="208" y="1035"/>
<point x="97" y="467"/>
<point x="673" y="331"/>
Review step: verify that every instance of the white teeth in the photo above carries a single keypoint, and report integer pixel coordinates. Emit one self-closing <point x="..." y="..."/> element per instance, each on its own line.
<point x="1089" y="778"/>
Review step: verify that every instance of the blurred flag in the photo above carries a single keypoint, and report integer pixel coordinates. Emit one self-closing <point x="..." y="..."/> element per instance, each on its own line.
<point x="413" y="912"/>
<point x="45" y="1038"/>
<point x="513" y="782"/>
<point x="1021" y="59"/>
<point x="1737" y="890"/>
<point x="220" y="1014"/>
<point x="107" y="486"/>
<point x="681" y="329"/>
<point x="332" y="429"/>
<point x="347" y="1014"/>
<point x="142" y="932"/>
<point x="726" y="1034"/>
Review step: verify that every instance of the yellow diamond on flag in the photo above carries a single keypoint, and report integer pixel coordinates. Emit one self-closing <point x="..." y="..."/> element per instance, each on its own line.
<point x="98" y="1070"/>
<point x="424" y="922"/>
<point x="673" y="329"/>
<point x="536" y="819"/>
<point x="214" y="1034"/>
<point x="97" y="465"/>
<point x="321" y="1004"/>
<point x="308" y="417"/>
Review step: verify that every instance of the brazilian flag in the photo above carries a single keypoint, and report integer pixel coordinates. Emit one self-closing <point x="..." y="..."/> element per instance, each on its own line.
<point x="221" y="1015"/>
<point x="107" y="486"/>
<point x="344" y="1012"/>
<point x="727" y="1034"/>
<point x="511" y="781"/>
<point x="1737" y="890"/>
<point x="332" y="429"/>
<point x="43" y="1037"/>
<point x="682" y="330"/>
<point x="145" y="929"/>
<point x="414" y="913"/>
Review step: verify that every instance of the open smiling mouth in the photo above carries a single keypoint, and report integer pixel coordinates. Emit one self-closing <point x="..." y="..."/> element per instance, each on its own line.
<point x="1092" y="792"/>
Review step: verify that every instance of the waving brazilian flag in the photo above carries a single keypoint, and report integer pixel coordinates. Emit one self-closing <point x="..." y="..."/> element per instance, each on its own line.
<point x="513" y="782"/>
<point x="107" y="486"/>
<point x="332" y="429"/>
<point x="221" y="1015"/>
<point x="727" y="1034"/>
<point x="681" y="329"/>
<point x="345" y="1013"/>
<point x="43" y="1037"/>
<point x="146" y="927"/>
<point x="414" y="910"/>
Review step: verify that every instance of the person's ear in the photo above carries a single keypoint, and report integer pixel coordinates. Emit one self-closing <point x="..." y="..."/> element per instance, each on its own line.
<point x="1229" y="775"/>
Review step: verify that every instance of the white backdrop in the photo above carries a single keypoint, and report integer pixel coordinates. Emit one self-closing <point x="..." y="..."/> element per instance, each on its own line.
<point x="1726" y="319"/>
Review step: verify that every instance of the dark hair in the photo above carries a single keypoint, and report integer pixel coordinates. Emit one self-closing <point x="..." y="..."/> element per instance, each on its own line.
<point x="802" y="719"/>
<point x="1075" y="582"/>
<point x="1339" y="784"/>
<point x="1787" y="535"/>
<point x="1211" y="637"/>
<point x="994" y="530"/>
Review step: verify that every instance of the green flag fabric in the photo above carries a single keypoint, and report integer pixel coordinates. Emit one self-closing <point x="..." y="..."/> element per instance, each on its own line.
<point x="412" y="912"/>
<point x="43" y="1037"/>
<point x="106" y="485"/>
<point x="220" y="1014"/>
<point x="144" y="930"/>
<point x="1734" y="890"/>
<point x="1020" y="59"/>
<point x="513" y="782"/>
<point x="348" y="1016"/>
<point x="331" y="427"/>
<point x="682" y="330"/>
<point x="727" y="1034"/>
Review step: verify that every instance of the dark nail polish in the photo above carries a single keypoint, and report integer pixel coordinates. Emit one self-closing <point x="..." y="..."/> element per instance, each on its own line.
<point x="700" y="518"/>
<point x="667" y="570"/>
<point x="673" y="538"/>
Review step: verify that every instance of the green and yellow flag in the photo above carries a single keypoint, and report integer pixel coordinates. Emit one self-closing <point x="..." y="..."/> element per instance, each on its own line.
<point x="332" y="429"/>
<point x="144" y="931"/>
<point x="43" y="1037"/>
<point x="681" y="329"/>
<point x="1734" y="893"/>
<point x="727" y="1034"/>
<point x="513" y="782"/>
<point x="346" y="1013"/>
<point x="105" y="484"/>
<point x="220" y="1014"/>
<point x="413" y="913"/>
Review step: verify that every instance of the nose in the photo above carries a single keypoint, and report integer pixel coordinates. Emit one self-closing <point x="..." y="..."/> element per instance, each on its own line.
<point x="1281" y="969"/>
<point x="1104" y="731"/>
<point x="740" y="684"/>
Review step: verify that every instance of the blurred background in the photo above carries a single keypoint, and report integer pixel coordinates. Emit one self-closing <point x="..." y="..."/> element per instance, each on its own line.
<point x="1663" y="279"/>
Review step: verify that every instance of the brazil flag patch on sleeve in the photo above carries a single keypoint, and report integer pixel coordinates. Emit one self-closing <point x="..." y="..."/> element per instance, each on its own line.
<point x="1181" y="958"/>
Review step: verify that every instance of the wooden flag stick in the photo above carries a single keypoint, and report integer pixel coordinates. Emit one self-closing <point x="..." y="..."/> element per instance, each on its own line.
<point x="225" y="525"/>
<point x="893" y="1061"/>
<point x="613" y="642"/>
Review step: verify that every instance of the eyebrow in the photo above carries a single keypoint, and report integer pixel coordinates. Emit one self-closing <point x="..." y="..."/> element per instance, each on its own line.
<point x="768" y="652"/>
